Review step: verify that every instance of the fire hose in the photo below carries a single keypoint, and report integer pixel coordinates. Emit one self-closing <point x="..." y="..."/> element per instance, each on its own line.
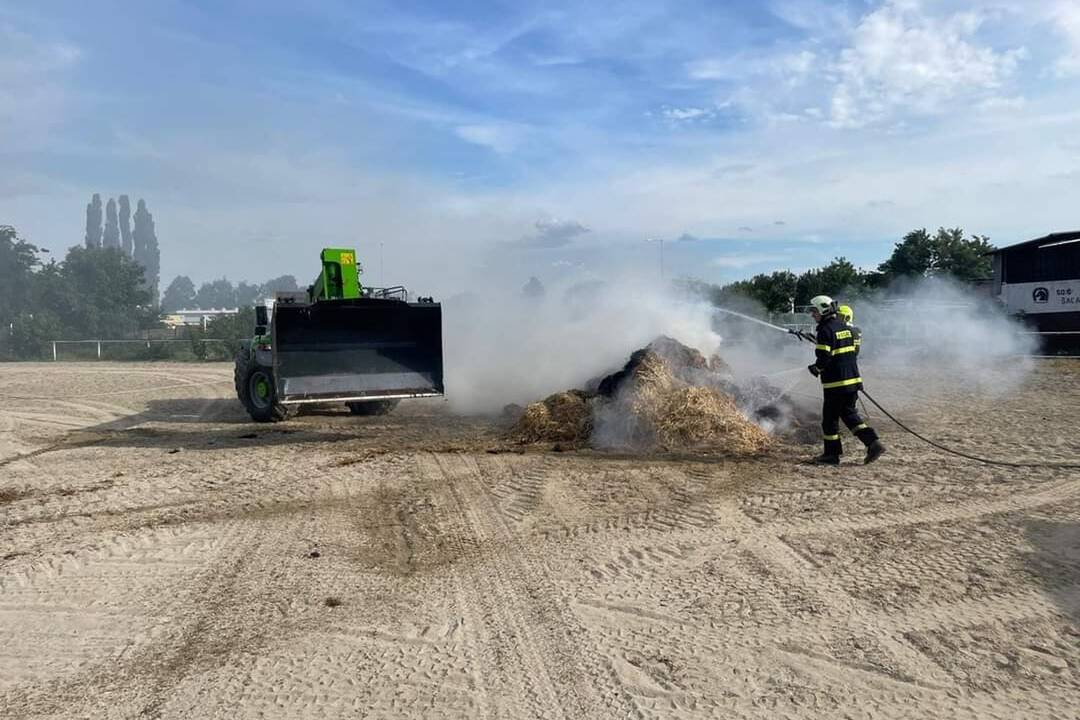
<point x="976" y="458"/>
<point x="802" y="335"/>
<point x="809" y="336"/>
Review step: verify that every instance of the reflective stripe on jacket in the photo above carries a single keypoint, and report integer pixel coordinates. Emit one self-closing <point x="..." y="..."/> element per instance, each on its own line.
<point x="835" y="356"/>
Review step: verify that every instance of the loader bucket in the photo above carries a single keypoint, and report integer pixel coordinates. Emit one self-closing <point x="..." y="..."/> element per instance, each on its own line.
<point x="354" y="350"/>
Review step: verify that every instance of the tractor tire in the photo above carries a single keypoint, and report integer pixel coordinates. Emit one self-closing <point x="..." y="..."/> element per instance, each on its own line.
<point x="372" y="407"/>
<point x="255" y="388"/>
<point x="240" y="370"/>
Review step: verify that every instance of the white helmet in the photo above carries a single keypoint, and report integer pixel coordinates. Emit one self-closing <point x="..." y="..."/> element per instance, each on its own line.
<point x="823" y="304"/>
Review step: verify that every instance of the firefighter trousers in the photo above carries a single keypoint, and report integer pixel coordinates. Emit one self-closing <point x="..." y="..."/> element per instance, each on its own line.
<point x="841" y="406"/>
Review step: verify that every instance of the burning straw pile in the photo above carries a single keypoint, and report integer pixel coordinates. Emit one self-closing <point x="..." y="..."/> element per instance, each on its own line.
<point x="667" y="397"/>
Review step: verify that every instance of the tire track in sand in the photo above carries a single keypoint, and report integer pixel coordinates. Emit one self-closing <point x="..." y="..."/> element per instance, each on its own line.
<point x="546" y="655"/>
<point x="106" y="416"/>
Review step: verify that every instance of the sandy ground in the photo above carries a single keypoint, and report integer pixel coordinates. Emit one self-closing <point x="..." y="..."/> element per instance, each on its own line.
<point x="161" y="557"/>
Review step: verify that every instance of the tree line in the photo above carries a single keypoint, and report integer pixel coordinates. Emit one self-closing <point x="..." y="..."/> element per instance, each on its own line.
<point x="139" y="243"/>
<point x="221" y="293"/>
<point x="101" y="291"/>
<point x="91" y="293"/>
<point x="919" y="254"/>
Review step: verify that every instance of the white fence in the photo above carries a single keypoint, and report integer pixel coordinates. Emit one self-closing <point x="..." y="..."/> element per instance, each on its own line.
<point x="148" y="344"/>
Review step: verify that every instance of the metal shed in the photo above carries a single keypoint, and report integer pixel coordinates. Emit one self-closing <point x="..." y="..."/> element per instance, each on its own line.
<point x="1039" y="280"/>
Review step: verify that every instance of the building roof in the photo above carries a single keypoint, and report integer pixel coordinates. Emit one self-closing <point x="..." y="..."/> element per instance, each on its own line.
<point x="1044" y="240"/>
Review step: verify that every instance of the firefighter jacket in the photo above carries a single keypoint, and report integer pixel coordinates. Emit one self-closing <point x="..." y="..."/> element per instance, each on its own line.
<point x="835" y="356"/>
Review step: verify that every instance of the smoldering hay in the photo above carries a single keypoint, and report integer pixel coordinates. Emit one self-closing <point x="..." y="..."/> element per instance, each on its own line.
<point x="666" y="397"/>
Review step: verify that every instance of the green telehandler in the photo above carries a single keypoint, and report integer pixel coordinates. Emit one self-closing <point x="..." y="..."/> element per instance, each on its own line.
<point x="340" y="342"/>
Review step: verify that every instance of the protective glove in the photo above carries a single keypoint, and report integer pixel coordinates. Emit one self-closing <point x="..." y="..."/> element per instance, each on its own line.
<point x="814" y="370"/>
<point x="802" y="334"/>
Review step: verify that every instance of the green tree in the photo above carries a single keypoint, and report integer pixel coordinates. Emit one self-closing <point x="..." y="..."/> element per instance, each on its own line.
<point x="769" y="291"/>
<point x="247" y="294"/>
<point x="93" y="222"/>
<point x="216" y="294"/>
<point x="126" y="242"/>
<point x="731" y="294"/>
<point x="102" y="294"/>
<point x="18" y="261"/>
<point x="963" y="259"/>
<point x="31" y="333"/>
<point x="145" y="248"/>
<point x="179" y="295"/>
<point x="232" y="329"/>
<point x="284" y="283"/>
<point x="911" y="257"/>
<point x="775" y="290"/>
<point x="947" y="252"/>
<point x="111" y="236"/>
<point x="93" y="293"/>
<point x="840" y="278"/>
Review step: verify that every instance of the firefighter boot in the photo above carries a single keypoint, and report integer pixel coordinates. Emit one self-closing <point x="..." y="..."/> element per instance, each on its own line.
<point x="873" y="451"/>
<point x="832" y="450"/>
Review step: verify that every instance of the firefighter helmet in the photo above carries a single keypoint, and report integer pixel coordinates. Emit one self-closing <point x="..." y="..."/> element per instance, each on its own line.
<point x="846" y="313"/>
<point x="823" y="304"/>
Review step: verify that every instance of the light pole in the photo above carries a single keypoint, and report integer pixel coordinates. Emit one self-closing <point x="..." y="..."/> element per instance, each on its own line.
<point x="661" y="241"/>
<point x="382" y="276"/>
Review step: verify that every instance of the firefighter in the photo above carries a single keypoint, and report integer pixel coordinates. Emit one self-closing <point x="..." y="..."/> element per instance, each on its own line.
<point x="838" y="369"/>
<point x="848" y="316"/>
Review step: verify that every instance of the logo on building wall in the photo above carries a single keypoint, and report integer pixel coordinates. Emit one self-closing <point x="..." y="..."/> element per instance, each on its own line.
<point x="1040" y="295"/>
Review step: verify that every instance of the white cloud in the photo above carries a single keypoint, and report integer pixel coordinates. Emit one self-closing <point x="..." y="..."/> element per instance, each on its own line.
<point x="502" y="138"/>
<point x="610" y="168"/>
<point x="744" y="260"/>
<point x="821" y="18"/>
<point x="789" y="67"/>
<point x="686" y="114"/>
<point x="796" y="66"/>
<point x="1066" y="17"/>
<point x="998" y="104"/>
<point x="715" y="69"/>
<point x="32" y="92"/>
<point x="903" y="60"/>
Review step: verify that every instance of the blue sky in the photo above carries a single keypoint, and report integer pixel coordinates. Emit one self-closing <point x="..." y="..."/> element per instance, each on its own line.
<point x="498" y="140"/>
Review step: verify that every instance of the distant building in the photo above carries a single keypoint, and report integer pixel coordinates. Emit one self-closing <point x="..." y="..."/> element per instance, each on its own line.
<point x="1039" y="280"/>
<point x="185" y="318"/>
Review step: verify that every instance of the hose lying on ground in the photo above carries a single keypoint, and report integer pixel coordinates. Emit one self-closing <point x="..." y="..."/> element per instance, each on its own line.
<point x="939" y="446"/>
<point x="976" y="458"/>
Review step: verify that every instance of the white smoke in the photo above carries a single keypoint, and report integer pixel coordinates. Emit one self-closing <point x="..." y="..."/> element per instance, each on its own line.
<point x="919" y="338"/>
<point x="503" y="347"/>
<point x="932" y="335"/>
<point x="947" y="334"/>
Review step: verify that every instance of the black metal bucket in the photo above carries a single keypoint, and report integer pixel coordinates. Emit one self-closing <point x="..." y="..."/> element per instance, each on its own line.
<point x="355" y="350"/>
